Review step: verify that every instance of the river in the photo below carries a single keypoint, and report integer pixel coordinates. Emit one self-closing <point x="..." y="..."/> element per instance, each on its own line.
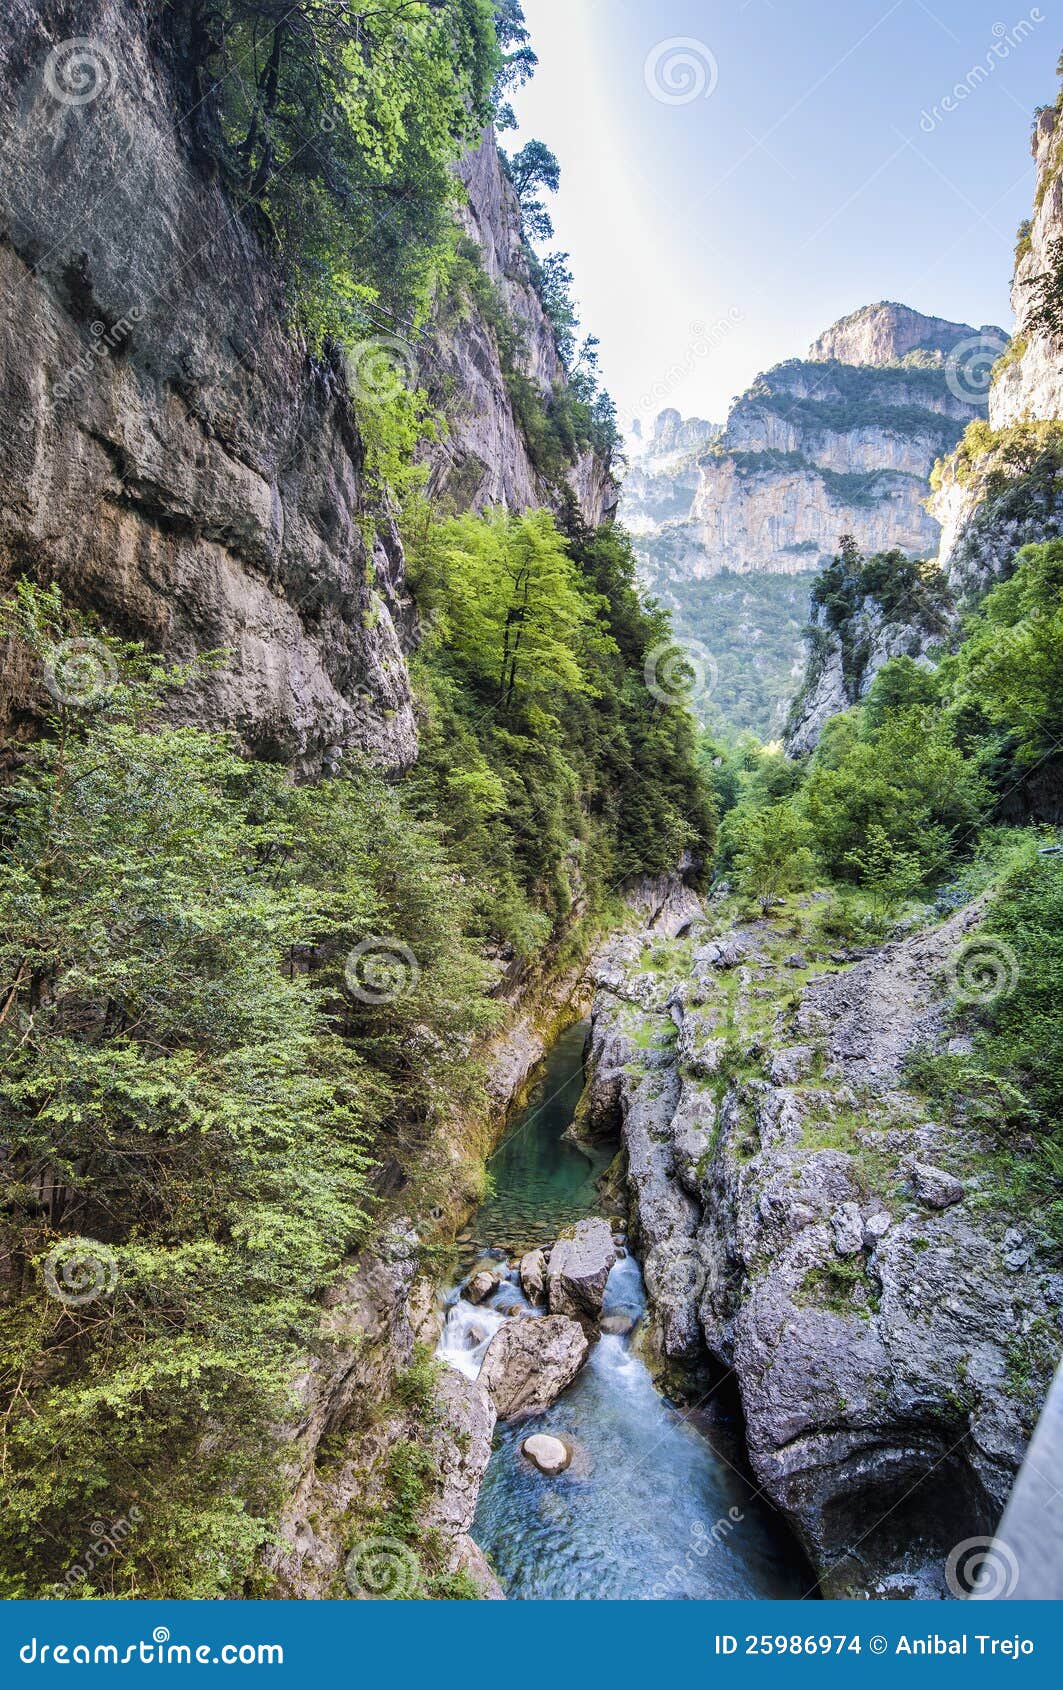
<point x="657" y="1502"/>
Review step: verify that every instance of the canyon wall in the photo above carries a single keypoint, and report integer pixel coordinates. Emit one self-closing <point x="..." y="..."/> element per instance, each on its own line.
<point x="999" y="490"/>
<point x="174" y="459"/>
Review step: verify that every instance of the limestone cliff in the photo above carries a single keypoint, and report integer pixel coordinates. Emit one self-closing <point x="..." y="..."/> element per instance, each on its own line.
<point x="888" y="333"/>
<point x="1004" y="488"/>
<point x="482" y="457"/>
<point x="662" y="476"/>
<point x="172" y="458"/>
<point x="999" y="490"/>
<point x="881" y="1305"/>
<point x="840" y="442"/>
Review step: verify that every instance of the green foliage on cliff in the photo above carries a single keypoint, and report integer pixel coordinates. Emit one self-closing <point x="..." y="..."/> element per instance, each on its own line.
<point x="195" y="1084"/>
<point x="857" y="595"/>
<point x="336" y="129"/>
<point x="1011" y="1081"/>
<point x="912" y="400"/>
<point x="552" y="768"/>
<point x="1010" y="667"/>
<point x="900" y="787"/>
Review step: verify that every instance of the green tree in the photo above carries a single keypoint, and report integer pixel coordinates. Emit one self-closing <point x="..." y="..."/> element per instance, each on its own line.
<point x="1011" y="662"/>
<point x="336" y="128"/>
<point x="770" y="851"/>
<point x="515" y="609"/>
<point x="198" y="1068"/>
<point x="533" y="170"/>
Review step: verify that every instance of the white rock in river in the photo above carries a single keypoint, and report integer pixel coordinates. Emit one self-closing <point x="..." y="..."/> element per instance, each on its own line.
<point x="533" y="1275"/>
<point x="549" y="1454"/>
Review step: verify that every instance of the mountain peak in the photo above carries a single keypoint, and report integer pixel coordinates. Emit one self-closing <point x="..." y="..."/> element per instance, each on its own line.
<point x="887" y="332"/>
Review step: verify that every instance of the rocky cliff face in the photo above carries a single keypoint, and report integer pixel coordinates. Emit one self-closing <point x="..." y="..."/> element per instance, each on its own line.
<point x="804" y="1225"/>
<point x="482" y="457"/>
<point x="1029" y="386"/>
<point x="1000" y="490"/>
<point x="662" y="477"/>
<point x="173" y="460"/>
<point x="1006" y="490"/>
<point x="841" y="442"/>
<point x="887" y="333"/>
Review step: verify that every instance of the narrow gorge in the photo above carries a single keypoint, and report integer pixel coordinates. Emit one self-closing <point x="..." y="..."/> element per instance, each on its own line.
<point x="529" y="1058"/>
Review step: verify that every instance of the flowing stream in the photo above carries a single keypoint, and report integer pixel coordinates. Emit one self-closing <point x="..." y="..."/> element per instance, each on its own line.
<point x="656" y="1503"/>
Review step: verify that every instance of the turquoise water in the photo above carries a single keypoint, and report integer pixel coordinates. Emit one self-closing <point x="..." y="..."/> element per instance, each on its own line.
<point x="657" y="1503"/>
<point x="540" y="1181"/>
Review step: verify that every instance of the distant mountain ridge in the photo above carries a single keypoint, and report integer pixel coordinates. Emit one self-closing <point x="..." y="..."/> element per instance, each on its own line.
<point x="839" y="442"/>
<point x="842" y="441"/>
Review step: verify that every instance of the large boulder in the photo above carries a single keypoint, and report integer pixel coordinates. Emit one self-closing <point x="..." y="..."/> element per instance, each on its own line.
<point x="481" y="1285"/>
<point x="533" y="1275"/>
<point x="578" y="1269"/>
<point x="529" y="1363"/>
<point x="934" y="1187"/>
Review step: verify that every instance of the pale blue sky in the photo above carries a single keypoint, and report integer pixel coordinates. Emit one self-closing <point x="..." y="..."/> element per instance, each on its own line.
<point x="818" y="170"/>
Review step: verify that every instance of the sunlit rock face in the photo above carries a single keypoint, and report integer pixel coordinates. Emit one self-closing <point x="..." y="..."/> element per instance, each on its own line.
<point x="842" y="441"/>
<point x="1001" y="496"/>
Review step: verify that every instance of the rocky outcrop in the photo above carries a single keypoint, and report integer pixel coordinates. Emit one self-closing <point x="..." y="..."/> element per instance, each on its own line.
<point x="841" y="665"/>
<point x="1004" y="489"/>
<point x="481" y="457"/>
<point x="577" y="1271"/>
<point x="461" y="1445"/>
<point x="662" y="474"/>
<point x="840" y="442"/>
<point x="802" y="1223"/>
<point x="888" y="333"/>
<point x="530" y="1361"/>
<point x="1029" y="385"/>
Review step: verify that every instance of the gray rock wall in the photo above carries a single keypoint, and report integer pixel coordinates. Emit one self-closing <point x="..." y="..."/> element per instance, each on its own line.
<point x="846" y="1261"/>
<point x="170" y="456"/>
